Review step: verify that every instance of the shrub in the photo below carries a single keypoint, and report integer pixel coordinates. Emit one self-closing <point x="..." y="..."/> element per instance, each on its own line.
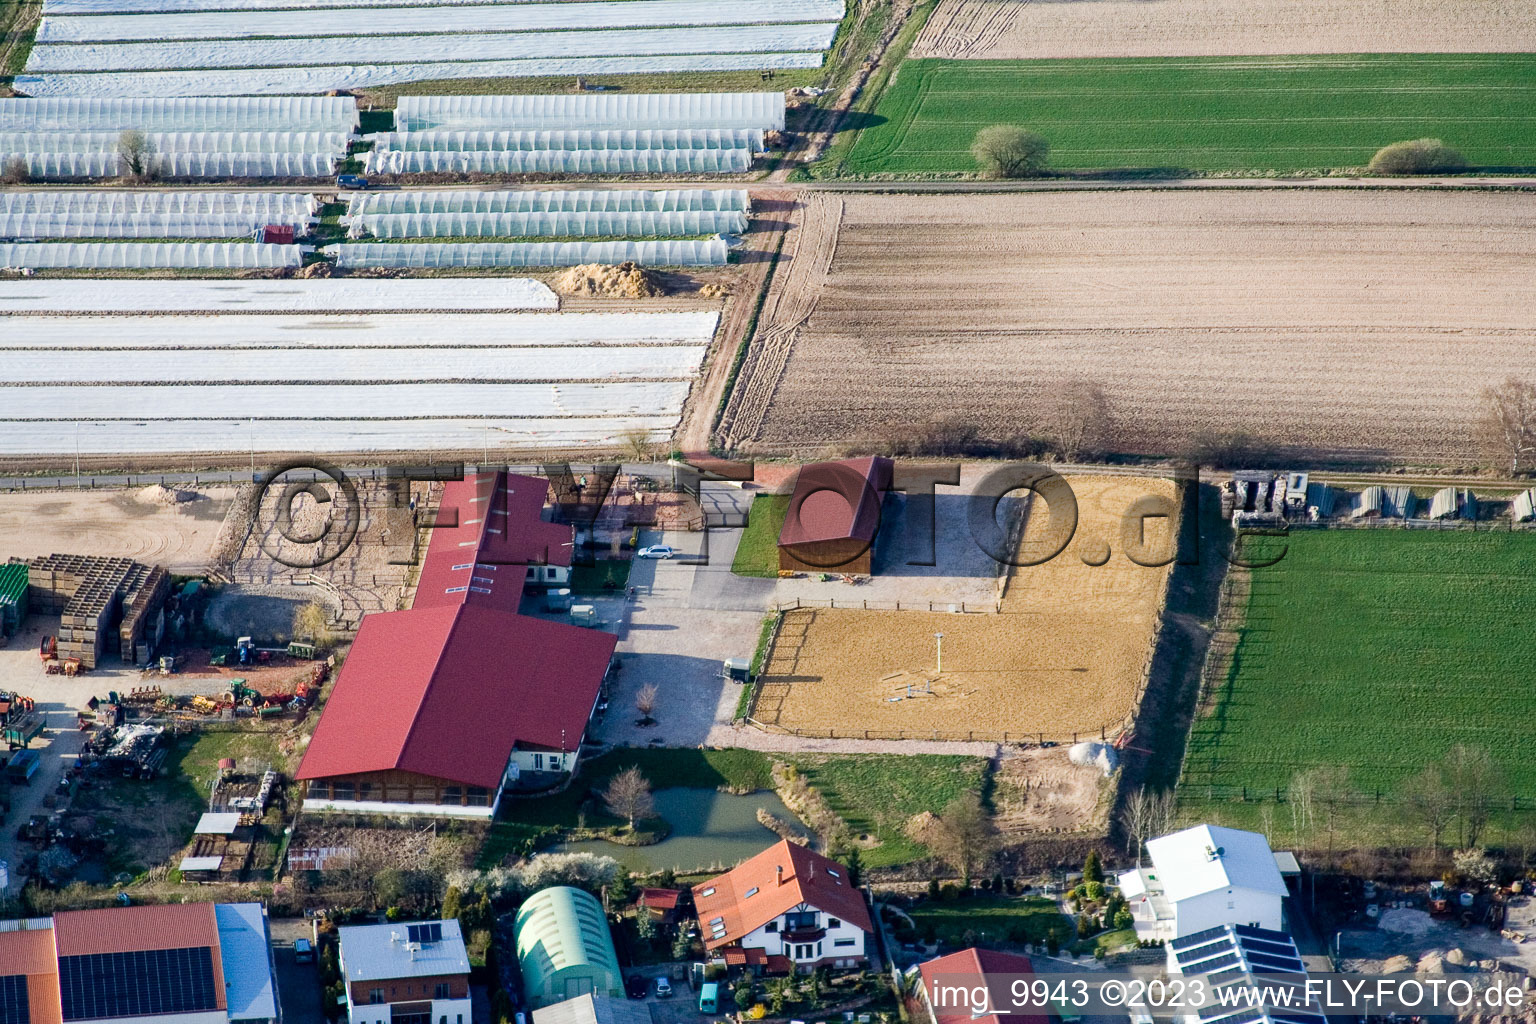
<point x="1008" y="151"/>
<point x="1419" y="156"/>
<point x="1124" y="918"/>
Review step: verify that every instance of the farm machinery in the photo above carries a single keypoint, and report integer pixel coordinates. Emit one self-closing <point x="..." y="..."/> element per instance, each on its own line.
<point x="20" y="721"/>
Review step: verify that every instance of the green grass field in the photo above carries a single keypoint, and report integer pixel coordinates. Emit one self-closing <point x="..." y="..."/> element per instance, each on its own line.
<point x="757" y="554"/>
<point x="1212" y="115"/>
<point x="1378" y="650"/>
<point x="988" y="920"/>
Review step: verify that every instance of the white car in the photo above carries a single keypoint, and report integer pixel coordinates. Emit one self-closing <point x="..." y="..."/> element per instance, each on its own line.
<point x="656" y="551"/>
<point x="663" y="986"/>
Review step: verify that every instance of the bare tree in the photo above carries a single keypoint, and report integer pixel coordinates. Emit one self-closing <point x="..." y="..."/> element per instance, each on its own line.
<point x="1334" y="793"/>
<point x="964" y="836"/>
<point x="1008" y="151"/>
<point x="638" y="445"/>
<point x="1430" y="799"/>
<point x="1077" y="417"/>
<point x="645" y="700"/>
<point x="1300" y="792"/>
<point x="1162" y="813"/>
<point x="16" y="171"/>
<point x="1509" y="421"/>
<point x="628" y="796"/>
<point x="1472" y="777"/>
<point x="1133" y="817"/>
<point x="136" y="153"/>
<point x="313" y="620"/>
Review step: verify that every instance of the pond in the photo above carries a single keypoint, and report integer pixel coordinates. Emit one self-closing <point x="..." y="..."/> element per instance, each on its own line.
<point x="710" y="831"/>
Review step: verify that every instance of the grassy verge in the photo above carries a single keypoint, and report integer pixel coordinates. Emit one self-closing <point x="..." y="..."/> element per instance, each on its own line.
<point x="1399" y="645"/>
<point x="1105" y="942"/>
<point x="603" y="576"/>
<point x="760" y="655"/>
<point x="862" y="112"/>
<point x="1203" y="115"/>
<point x="982" y="920"/>
<point x="18" y="26"/>
<point x="758" y="552"/>
<point x="684" y="81"/>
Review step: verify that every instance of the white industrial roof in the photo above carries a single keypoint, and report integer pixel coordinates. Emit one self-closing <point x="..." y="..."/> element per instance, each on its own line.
<point x="376" y="952"/>
<point x="245" y="951"/>
<point x="200" y="863"/>
<point x="1209" y="857"/>
<point x="592" y="1009"/>
<point x="221" y="824"/>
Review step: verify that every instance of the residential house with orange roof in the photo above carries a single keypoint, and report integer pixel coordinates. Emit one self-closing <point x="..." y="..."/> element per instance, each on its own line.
<point x="786" y="909"/>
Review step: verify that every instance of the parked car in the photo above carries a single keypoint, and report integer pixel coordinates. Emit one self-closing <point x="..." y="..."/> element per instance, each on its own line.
<point x="352" y="181"/>
<point x="656" y="551"/>
<point x="663" y="988"/>
<point x="303" y="952"/>
<point x="635" y="986"/>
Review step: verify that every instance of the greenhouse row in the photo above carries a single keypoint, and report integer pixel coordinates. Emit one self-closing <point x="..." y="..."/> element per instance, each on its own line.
<point x="147" y="255"/>
<point x="261" y="207"/>
<point x="763" y="111"/>
<point x="392" y="330"/>
<point x="549" y="201"/>
<point x="340" y="295"/>
<point x="683" y="253"/>
<point x="284" y="81"/>
<point x="250" y="113"/>
<point x="334" y="143"/>
<point x="181" y="165"/>
<point x="140" y="225"/>
<point x="513" y="141"/>
<point x="562" y="161"/>
<point x="437" y="46"/>
<point x="638" y="224"/>
<point x="507" y="17"/>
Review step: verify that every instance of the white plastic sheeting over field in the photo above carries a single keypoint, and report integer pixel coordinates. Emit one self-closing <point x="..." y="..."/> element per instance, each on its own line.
<point x="260" y="207"/>
<point x="178" y="142"/>
<point x="138" y="225"/>
<point x="382" y="330"/>
<point x="424" y="255"/>
<point x="258" y="53"/>
<point x="639" y="224"/>
<point x="512" y="17"/>
<point x="279" y="81"/>
<point x="287" y="113"/>
<point x="183" y="165"/>
<point x="206" y="434"/>
<point x="669" y="138"/>
<point x="564" y="161"/>
<point x="594" y="111"/>
<point x="302" y="296"/>
<point x="351" y="365"/>
<point x="57" y="7"/>
<point x="549" y="200"/>
<point x="147" y="255"/>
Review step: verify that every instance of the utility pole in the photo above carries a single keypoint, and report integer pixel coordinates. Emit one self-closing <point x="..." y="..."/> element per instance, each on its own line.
<point x="940" y="638"/>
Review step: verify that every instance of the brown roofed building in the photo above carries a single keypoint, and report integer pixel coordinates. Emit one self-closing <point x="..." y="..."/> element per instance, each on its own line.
<point x="788" y="902"/>
<point x="29" y="974"/>
<point x="967" y="970"/>
<point x="834" y="515"/>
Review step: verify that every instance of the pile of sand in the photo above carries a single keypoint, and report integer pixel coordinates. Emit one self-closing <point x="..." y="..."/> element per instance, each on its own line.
<point x="597" y="280"/>
<point x="159" y="494"/>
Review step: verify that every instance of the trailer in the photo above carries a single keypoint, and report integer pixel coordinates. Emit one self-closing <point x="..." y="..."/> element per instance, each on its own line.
<point x="23" y="766"/>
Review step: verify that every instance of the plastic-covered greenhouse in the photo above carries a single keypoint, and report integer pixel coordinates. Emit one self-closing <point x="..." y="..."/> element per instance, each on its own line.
<point x="276" y="207"/>
<point x="182" y="165"/>
<point x="138" y="225"/>
<point x="148" y="255"/>
<point x="562" y="224"/>
<point x="193" y="114"/>
<point x="541" y="201"/>
<point x="667" y="138"/>
<point x="595" y="111"/>
<point x="563" y="161"/>
<point x="178" y="142"/>
<point x="708" y="253"/>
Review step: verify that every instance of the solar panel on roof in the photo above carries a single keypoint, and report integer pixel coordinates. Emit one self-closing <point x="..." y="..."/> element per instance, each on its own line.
<point x="1263" y="946"/>
<point x="1197" y="938"/>
<point x="1243" y="1016"/>
<point x="1205" y="967"/>
<point x="140" y="983"/>
<point x="424" y="933"/>
<point x="1297" y="1017"/>
<point x="1287" y="965"/>
<point x="13" y="1000"/>
<point x="1261" y="933"/>
<point x="1200" y="952"/>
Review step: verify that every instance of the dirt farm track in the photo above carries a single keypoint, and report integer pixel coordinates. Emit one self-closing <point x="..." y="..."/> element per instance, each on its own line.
<point x="1064" y="656"/>
<point x="1021" y="29"/>
<point x="1340" y="324"/>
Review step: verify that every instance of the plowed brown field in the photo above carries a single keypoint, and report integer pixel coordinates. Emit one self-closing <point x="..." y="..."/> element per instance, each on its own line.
<point x="1019" y="29"/>
<point x="1065" y="656"/>
<point x="1328" y="323"/>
